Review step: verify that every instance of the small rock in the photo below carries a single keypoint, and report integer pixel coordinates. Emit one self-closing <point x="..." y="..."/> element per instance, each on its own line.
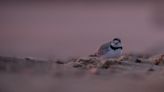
<point x="59" y="62"/>
<point x="138" y="60"/>
<point x="151" y="69"/>
<point x="106" y="65"/>
<point x="93" y="55"/>
<point x="77" y="66"/>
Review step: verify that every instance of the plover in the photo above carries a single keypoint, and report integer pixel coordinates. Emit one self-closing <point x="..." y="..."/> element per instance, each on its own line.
<point x="112" y="49"/>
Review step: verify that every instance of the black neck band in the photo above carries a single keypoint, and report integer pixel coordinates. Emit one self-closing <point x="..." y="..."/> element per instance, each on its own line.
<point x="115" y="48"/>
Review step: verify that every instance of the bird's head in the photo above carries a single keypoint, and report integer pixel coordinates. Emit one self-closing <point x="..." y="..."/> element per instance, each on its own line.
<point x="116" y="42"/>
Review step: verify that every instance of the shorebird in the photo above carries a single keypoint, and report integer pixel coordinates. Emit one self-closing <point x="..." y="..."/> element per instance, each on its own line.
<point x="112" y="49"/>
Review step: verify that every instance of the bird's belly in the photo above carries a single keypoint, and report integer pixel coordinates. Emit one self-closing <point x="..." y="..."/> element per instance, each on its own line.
<point x="113" y="54"/>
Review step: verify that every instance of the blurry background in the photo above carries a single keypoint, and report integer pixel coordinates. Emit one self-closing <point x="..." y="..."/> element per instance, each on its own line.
<point x="50" y="29"/>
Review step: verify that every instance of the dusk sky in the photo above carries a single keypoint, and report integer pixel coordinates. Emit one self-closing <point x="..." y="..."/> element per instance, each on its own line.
<point x="51" y="30"/>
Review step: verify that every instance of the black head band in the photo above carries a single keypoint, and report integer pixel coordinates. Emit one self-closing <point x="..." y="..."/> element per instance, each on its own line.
<point x="116" y="39"/>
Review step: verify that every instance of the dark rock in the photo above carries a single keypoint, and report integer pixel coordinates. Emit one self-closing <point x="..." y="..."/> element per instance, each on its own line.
<point x="59" y="62"/>
<point x="151" y="69"/>
<point x="77" y="66"/>
<point x="157" y="63"/>
<point x="93" y="55"/>
<point x="106" y="65"/>
<point x="138" y="60"/>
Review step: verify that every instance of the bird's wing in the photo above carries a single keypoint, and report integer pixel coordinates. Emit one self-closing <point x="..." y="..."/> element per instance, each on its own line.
<point x="103" y="49"/>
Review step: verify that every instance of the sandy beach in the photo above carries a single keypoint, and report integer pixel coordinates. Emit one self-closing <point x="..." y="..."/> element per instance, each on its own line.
<point x="30" y="75"/>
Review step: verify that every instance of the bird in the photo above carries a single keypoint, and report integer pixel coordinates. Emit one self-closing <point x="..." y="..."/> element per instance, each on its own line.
<point x="111" y="49"/>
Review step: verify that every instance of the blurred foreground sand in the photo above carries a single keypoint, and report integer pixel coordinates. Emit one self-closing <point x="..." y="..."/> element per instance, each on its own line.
<point x="27" y="75"/>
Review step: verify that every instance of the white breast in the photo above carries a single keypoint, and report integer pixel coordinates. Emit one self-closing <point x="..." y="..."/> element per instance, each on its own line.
<point x="112" y="53"/>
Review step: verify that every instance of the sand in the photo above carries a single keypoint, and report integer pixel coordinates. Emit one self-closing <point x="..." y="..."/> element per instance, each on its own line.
<point x="29" y="75"/>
